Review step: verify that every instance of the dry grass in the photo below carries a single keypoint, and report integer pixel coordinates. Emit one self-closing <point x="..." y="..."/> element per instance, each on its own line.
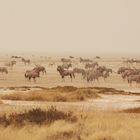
<point x="133" y="110"/>
<point x="36" y="116"/>
<point x="63" y="94"/>
<point x="90" y="126"/>
<point x="54" y="94"/>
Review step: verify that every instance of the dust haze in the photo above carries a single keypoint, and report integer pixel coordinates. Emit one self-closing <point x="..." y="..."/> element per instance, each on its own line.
<point x="70" y="27"/>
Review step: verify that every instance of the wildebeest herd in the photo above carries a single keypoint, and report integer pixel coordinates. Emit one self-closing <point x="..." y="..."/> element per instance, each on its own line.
<point x="90" y="70"/>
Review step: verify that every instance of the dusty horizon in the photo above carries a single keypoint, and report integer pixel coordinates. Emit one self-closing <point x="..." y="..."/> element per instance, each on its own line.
<point x="70" y="27"/>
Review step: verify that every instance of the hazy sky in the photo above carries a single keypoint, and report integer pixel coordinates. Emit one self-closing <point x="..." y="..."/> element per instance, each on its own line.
<point x="80" y="26"/>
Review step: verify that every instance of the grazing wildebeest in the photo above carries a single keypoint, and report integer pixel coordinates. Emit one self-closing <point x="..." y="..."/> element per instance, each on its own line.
<point x="3" y="70"/>
<point x="26" y="61"/>
<point x="32" y="74"/>
<point x="92" y="65"/>
<point x="39" y="69"/>
<point x="64" y="72"/>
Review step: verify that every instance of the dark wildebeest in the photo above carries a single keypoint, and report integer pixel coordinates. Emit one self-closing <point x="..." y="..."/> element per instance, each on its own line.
<point x="64" y="72"/>
<point x="39" y="69"/>
<point x="3" y="70"/>
<point x="32" y="74"/>
<point x="26" y="61"/>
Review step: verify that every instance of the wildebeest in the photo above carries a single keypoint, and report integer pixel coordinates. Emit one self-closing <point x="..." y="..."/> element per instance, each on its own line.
<point x="133" y="78"/>
<point x="64" y="72"/>
<point x="26" y="61"/>
<point x="82" y="60"/>
<point x="39" y="69"/>
<point x="51" y="64"/>
<point x="67" y="66"/>
<point x="10" y="64"/>
<point x="101" y="69"/>
<point x="32" y="74"/>
<point x="97" y="57"/>
<point x="91" y="65"/>
<point x="106" y="73"/>
<point x="71" y="57"/>
<point x="93" y="75"/>
<point x="3" y="70"/>
<point x="65" y="60"/>
<point x="122" y="69"/>
<point x="17" y="57"/>
<point x="80" y="71"/>
<point x="127" y="73"/>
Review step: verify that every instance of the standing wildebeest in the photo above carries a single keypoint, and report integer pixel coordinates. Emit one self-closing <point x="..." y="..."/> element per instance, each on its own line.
<point x="67" y="66"/>
<point x="26" y="61"/>
<point x="64" y="72"/>
<point x="133" y="78"/>
<point x="101" y="69"/>
<point x="10" y="64"/>
<point x="71" y="57"/>
<point x="92" y="65"/>
<point x="32" y="74"/>
<point x="17" y="57"/>
<point x="106" y="73"/>
<point x="39" y="69"/>
<point x="129" y="72"/>
<point x="122" y="69"/>
<point x="65" y="60"/>
<point x="93" y="75"/>
<point x="80" y="71"/>
<point x="82" y="60"/>
<point x="3" y="70"/>
<point x="97" y="57"/>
